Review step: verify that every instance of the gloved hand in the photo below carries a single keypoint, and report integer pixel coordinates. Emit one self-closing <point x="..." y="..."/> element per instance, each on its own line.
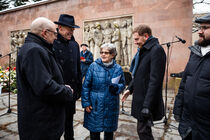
<point x="145" y="113"/>
<point x="113" y="88"/>
<point x="149" y="122"/>
<point x="177" y="117"/>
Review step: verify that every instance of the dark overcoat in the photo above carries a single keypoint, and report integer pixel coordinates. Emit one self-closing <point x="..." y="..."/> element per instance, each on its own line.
<point x="95" y="93"/>
<point x="146" y="85"/>
<point x="41" y="91"/>
<point x="193" y="99"/>
<point x="89" y="59"/>
<point x="67" y="54"/>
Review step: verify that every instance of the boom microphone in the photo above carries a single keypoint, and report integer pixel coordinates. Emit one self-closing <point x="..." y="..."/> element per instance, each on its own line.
<point x="181" y="40"/>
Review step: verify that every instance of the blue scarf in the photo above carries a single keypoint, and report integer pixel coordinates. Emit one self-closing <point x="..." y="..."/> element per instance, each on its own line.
<point x="135" y="62"/>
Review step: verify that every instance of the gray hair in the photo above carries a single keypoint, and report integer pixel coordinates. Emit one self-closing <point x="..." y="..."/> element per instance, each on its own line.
<point x="40" y="24"/>
<point x="111" y="47"/>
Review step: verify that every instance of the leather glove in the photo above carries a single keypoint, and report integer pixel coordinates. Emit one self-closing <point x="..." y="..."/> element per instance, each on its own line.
<point x="149" y="122"/>
<point x="113" y="88"/>
<point x="145" y="113"/>
<point x="177" y="117"/>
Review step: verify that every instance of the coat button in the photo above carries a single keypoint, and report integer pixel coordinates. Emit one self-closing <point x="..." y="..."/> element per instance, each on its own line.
<point x="70" y="50"/>
<point x="60" y="51"/>
<point x="61" y="60"/>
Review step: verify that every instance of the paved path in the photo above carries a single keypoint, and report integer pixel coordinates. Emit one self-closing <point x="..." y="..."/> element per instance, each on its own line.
<point x="126" y="126"/>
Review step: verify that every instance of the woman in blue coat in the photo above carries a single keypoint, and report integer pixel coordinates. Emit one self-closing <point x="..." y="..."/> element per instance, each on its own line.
<point x="103" y="83"/>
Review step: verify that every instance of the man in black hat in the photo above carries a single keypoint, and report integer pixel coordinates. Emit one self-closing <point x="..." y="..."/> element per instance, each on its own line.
<point x="192" y="102"/>
<point x="67" y="53"/>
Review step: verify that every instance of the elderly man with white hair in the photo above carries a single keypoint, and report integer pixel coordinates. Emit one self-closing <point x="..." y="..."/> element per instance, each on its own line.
<point x="41" y="91"/>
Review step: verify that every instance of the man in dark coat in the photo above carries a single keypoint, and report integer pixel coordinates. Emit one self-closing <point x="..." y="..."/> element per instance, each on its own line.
<point x="86" y="58"/>
<point x="41" y="91"/>
<point x="192" y="102"/>
<point x="148" y="68"/>
<point x="67" y="54"/>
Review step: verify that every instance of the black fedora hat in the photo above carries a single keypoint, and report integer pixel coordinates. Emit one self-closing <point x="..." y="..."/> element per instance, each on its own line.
<point x="66" y="20"/>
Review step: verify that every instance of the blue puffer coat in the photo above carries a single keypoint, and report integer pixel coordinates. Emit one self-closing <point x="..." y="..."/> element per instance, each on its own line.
<point x="95" y="93"/>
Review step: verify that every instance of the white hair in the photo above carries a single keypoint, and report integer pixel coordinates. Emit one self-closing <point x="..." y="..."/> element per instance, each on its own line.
<point x="111" y="47"/>
<point x="40" y="24"/>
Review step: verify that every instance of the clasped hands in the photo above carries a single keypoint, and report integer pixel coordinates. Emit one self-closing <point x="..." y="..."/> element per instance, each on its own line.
<point x="70" y="88"/>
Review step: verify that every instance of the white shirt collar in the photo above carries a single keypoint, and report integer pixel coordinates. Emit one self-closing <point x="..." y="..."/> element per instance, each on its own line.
<point x="205" y="50"/>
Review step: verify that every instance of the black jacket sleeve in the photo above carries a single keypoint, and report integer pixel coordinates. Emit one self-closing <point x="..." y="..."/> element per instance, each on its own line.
<point x="130" y="86"/>
<point x="38" y="71"/>
<point x="179" y="99"/>
<point x="79" y="81"/>
<point x="157" y="71"/>
<point x="178" y="104"/>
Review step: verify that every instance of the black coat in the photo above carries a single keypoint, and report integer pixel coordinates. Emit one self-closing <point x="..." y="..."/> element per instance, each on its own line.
<point x="41" y="91"/>
<point x="148" y="79"/>
<point x="193" y="99"/>
<point x="67" y="54"/>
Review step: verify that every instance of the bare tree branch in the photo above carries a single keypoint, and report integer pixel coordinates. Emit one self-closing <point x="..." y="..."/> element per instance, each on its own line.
<point x="198" y="2"/>
<point x="206" y="2"/>
<point x="202" y="1"/>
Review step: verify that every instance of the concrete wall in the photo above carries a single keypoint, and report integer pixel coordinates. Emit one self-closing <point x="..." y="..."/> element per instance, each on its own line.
<point x="167" y="18"/>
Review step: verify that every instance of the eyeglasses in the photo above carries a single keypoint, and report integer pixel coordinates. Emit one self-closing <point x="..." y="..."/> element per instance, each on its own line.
<point x="55" y="33"/>
<point x="202" y="28"/>
<point x="105" y="53"/>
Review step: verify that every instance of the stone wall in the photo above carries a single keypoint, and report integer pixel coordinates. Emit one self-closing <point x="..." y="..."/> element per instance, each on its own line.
<point x="167" y="18"/>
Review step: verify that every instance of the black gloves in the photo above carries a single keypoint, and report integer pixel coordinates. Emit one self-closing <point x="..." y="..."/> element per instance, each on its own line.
<point x="147" y="116"/>
<point x="113" y="88"/>
<point x="145" y="113"/>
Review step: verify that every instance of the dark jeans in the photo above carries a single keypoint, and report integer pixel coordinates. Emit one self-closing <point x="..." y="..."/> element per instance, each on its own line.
<point x="144" y="131"/>
<point x="69" y="128"/>
<point x="96" y="135"/>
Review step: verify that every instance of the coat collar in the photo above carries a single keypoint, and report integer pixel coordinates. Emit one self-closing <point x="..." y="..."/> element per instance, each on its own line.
<point x="196" y="49"/>
<point x="61" y="38"/>
<point x="39" y="40"/>
<point x="151" y="41"/>
<point x="99" y="61"/>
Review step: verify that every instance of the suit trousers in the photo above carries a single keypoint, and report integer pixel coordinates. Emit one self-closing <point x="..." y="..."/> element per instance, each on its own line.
<point x="96" y="135"/>
<point x="69" y="128"/>
<point x="144" y="131"/>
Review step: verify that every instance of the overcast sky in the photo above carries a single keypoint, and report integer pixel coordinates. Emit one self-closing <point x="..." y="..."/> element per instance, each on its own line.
<point x="201" y="8"/>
